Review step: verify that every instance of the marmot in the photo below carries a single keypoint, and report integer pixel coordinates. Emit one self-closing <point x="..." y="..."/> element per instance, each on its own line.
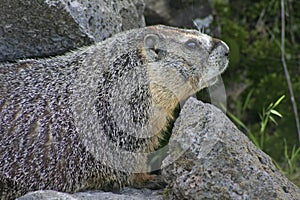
<point x="87" y="119"/>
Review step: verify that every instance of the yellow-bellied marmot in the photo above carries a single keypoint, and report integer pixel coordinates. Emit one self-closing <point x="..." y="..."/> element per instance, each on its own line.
<point x="86" y="120"/>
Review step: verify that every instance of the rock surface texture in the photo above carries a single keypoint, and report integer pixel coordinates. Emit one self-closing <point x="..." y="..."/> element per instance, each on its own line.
<point x="176" y="12"/>
<point x="51" y="27"/>
<point x="127" y="193"/>
<point x="211" y="159"/>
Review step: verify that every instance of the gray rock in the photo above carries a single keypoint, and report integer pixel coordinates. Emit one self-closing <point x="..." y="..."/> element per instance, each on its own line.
<point x="127" y="193"/>
<point x="46" y="194"/>
<point x="40" y="28"/>
<point x="176" y="12"/>
<point x="211" y="159"/>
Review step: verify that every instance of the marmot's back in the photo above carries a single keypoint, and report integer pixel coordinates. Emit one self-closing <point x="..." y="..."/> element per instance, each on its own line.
<point x="40" y="147"/>
<point x="81" y="121"/>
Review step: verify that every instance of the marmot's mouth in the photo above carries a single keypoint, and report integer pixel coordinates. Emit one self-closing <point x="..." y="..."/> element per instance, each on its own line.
<point x="213" y="72"/>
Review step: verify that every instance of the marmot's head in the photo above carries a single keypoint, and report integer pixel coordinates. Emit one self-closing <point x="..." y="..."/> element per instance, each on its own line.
<point x="184" y="61"/>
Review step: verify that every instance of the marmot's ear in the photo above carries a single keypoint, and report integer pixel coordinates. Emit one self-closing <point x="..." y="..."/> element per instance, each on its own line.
<point x="151" y="41"/>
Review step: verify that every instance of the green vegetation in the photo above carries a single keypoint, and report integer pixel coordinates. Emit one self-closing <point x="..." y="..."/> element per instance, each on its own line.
<point x="256" y="77"/>
<point x="290" y="164"/>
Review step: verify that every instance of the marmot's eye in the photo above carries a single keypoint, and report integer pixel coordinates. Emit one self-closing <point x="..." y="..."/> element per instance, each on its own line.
<point x="192" y="43"/>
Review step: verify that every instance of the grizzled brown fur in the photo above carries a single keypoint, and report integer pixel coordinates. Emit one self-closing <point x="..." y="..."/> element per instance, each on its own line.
<point x="78" y="121"/>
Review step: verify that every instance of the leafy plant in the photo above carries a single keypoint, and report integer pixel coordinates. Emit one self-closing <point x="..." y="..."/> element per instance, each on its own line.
<point x="266" y="116"/>
<point x="292" y="159"/>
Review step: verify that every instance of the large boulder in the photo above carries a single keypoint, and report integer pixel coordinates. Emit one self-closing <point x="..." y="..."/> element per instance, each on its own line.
<point x="39" y="28"/>
<point x="209" y="158"/>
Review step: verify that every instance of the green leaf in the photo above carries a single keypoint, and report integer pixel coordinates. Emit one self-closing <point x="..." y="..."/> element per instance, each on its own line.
<point x="237" y="121"/>
<point x="249" y="95"/>
<point x="279" y="101"/>
<point x="254" y="139"/>
<point x="273" y="120"/>
<point x="275" y="112"/>
<point x="264" y="124"/>
<point x="270" y="106"/>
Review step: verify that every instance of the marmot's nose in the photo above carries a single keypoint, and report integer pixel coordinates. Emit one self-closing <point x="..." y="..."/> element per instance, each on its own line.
<point x="222" y="45"/>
